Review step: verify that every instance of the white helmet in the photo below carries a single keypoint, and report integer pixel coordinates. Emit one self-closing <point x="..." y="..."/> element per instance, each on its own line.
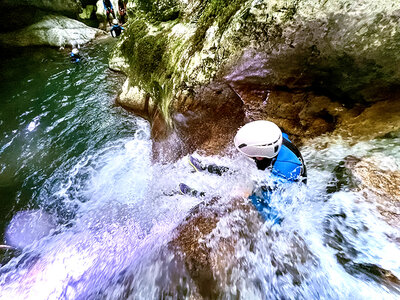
<point x="259" y="139"/>
<point x="115" y="22"/>
<point x="75" y="51"/>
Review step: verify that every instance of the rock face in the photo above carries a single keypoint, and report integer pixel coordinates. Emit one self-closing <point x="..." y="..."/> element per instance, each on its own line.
<point x="21" y="13"/>
<point x="308" y="65"/>
<point x="52" y="30"/>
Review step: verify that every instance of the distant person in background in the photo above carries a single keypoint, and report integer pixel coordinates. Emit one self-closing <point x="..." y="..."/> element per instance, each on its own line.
<point x="116" y="29"/>
<point x="75" y="56"/>
<point x="122" y="11"/>
<point x="109" y="10"/>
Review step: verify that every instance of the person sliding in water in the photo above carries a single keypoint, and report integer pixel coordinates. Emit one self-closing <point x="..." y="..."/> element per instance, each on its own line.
<point x="116" y="30"/>
<point x="270" y="148"/>
<point x="75" y="56"/>
<point x="109" y="10"/>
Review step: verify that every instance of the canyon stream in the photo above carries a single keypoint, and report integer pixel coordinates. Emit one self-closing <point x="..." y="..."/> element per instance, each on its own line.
<point x="100" y="212"/>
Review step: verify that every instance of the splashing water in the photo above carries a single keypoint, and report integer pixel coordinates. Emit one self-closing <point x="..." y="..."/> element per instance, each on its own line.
<point x="68" y="151"/>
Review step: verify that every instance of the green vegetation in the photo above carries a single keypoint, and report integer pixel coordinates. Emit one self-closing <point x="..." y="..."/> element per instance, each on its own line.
<point x="214" y="10"/>
<point x="148" y="50"/>
<point x="159" y="10"/>
<point x="146" y="57"/>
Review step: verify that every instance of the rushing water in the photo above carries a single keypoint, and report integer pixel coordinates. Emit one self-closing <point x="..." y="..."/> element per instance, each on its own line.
<point x="68" y="152"/>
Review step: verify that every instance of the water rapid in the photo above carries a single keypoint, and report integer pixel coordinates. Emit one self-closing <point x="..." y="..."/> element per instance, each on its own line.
<point x="66" y="150"/>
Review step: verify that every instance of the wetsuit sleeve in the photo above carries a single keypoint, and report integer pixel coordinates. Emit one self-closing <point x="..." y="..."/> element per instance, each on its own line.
<point x="289" y="165"/>
<point x="296" y="152"/>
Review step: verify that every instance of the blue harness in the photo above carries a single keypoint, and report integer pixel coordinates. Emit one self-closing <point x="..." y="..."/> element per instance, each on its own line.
<point x="75" y="58"/>
<point x="288" y="167"/>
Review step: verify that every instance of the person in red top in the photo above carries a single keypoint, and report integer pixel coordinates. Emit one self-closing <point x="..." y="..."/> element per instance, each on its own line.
<point x="122" y="11"/>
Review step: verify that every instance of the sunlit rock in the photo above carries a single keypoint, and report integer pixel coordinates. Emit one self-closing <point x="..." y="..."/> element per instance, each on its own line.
<point x="22" y="13"/>
<point x="101" y="12"/>
<point x="135" y="99"/>
<point x="52" y="30"/>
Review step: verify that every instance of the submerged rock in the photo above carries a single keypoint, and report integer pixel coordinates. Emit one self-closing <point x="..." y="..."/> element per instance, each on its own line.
<point x="52" y="30"/>
<point x="211" y="243"/>
<point x="377" y="180"/>
<point x="27" y="227"/>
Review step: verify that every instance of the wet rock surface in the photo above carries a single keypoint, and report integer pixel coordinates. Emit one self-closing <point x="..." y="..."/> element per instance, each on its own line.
<point x="211" y="240"/>
<point x="52" y="30"/>
<point x="377" y="179"/>
<point x="205" y="119"/>
<point x="18" y="14"/>
<point x="349" y="257"/>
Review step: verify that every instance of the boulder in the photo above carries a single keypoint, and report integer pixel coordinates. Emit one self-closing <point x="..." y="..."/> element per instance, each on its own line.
<point x="375" y="121"/>
<point x="22" y="13"/>
<point x="135" y="99"/>
<point x="52" y="30"/>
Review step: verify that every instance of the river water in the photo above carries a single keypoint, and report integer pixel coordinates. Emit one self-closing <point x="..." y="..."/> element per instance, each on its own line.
<point x="68" y="152"/>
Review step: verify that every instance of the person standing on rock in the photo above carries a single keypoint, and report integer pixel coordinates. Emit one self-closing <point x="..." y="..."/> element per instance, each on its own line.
<point x="116" y="30"/>
<point x="270" y="148"/>
<point x="122" y="11"/>
<point x="108" y="7"/>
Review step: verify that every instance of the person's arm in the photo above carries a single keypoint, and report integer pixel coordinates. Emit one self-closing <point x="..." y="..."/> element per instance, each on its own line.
<point x="303" y="174"/>
<point x="104" y="4"/>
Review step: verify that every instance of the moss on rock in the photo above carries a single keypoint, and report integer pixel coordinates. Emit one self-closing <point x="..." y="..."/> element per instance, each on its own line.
<point x="343" y="50"/>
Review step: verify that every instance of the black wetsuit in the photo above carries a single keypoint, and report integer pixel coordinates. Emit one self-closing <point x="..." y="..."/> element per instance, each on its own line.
<point x="75" y="57"/>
